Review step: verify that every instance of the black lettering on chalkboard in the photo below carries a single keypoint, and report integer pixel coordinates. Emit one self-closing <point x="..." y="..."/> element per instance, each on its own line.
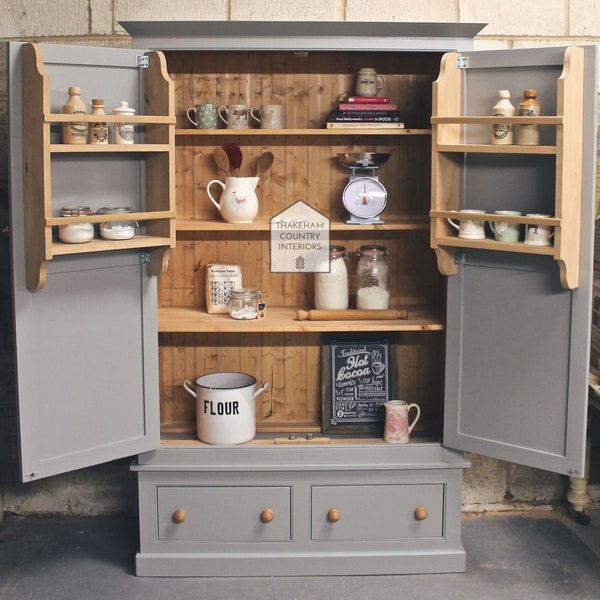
<point x="359" y="385"/>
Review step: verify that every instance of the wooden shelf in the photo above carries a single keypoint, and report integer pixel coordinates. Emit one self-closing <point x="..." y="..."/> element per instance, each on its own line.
<point x="100" y="245"/>
<point x="407" y="224"/>
<point x="493" y="149"/>
<point x="197" y="320"/>
<point x="108" y="148"/>
<point x="284" y="132"/>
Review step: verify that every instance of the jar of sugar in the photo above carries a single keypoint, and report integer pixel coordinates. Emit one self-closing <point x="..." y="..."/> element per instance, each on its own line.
<point x="79" y="232"/>
<point x="331" y="286"/>
<point x="372" y="278"/>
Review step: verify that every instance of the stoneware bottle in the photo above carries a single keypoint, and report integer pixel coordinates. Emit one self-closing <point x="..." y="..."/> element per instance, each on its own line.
<point x="75" y="133"/>
<point x="98" y="131"/>
<point x="529" y="135"/>
<point x="503" y="133"/>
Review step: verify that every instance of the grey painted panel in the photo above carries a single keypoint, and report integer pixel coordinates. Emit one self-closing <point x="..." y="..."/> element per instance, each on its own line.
<point x="303" y="555"/>
<point x="224" y="514"/>
<point x="86" y="344"/>
<point x="330" y="36"/>
<point x="377" y="512"/>
<point x="517" y="356"/>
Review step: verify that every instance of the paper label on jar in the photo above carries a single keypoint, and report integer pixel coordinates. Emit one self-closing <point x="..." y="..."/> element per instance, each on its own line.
<point x="221" y="280"/>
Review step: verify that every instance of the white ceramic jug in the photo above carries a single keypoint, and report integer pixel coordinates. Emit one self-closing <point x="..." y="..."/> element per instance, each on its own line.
<point x="238" y="203"/>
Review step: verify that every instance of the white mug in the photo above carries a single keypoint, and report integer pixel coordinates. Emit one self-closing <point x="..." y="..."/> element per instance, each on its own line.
<point x="469" y="228"/>
<point x="368" y="83"/>
<point x="236" y="115"/>
<point x="397" y="428"/>
<point x="538" y="235"/>
<point x="503" y="230"/>
<point x="268" y="116"/>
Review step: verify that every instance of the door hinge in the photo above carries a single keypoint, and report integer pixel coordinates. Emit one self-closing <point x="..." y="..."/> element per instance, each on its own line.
<point x="144" y="257"/>
<point x="459" y="258"/>
<point x="143" y="62"/>
<point x="462" y="62"/>
<point x="573" y="471"/>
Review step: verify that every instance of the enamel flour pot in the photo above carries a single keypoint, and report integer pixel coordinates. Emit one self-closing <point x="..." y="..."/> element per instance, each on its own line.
<point x="225" y="404"/>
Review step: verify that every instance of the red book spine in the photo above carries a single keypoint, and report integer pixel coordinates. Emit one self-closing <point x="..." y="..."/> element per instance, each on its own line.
<point x="366" y="106"/>
<point x="368" y="99"/>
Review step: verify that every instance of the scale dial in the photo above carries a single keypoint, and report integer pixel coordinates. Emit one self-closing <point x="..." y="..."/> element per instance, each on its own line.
<point x="364" y="197"/>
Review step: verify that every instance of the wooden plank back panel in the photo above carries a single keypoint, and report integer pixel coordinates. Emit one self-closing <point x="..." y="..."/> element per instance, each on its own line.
<point x="309" y="85"/>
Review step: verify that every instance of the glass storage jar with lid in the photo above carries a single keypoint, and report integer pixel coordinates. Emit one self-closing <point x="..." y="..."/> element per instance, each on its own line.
<point x="331" y="287"/>
<point x="244" y="303"/>
<point x="372" y="278"/>
<point x="117" y="230"/>
<point x="75" y="233"/>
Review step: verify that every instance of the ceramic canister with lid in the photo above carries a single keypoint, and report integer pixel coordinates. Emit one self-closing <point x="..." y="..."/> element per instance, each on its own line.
<point x="123" y="131"/>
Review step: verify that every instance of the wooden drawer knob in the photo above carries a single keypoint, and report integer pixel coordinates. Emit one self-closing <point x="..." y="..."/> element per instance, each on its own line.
<point x="333" y="516"/>
<point x="179" y="515"/>
<point x="266" y="516"/>
<point x="420" y="513"/>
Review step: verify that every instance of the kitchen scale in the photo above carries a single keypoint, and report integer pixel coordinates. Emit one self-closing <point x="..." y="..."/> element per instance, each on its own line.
<point x="364" y="196"/>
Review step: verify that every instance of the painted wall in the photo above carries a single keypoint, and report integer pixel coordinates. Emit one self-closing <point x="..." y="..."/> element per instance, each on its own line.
<point x="489" y="484"/>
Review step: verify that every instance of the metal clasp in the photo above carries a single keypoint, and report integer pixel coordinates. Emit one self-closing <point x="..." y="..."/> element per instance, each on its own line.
<point x="462" y="62"/>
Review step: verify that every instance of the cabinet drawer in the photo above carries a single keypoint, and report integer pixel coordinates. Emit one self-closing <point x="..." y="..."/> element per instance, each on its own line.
<point x="377" y="512"/>
<point x="223" y="514"/>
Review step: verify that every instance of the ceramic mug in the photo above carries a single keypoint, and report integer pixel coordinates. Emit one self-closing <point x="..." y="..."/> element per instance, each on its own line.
<point x="368" y="83"/>
<point x="503" y="230"/>
<point x="538" y="235"/>
<point x="236" y="115"/>
<point x="469" y="228"/>
<point x="397" y="428"/>
<point x="205" y="116"/>
<point x="268" y="116"/>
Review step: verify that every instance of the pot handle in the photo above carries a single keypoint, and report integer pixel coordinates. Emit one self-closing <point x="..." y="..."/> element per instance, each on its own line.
<point x="210" y="196"/>
<point x="189" y="387"/>
<point x="261" y="389"/>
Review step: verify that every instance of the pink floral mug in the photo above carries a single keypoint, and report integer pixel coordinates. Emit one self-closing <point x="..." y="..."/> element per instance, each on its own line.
<point x="397" y="427"/>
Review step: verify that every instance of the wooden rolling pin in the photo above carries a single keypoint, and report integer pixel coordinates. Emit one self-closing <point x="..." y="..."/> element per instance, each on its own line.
<point x="351" y="315"/>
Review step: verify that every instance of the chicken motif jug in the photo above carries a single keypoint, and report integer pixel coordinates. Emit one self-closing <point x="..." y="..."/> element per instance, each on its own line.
<point x="238" y="202"/>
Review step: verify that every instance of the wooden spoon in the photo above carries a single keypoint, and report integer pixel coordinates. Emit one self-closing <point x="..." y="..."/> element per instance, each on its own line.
<point x="234" y="154"/>
<point x="264" y="162"/>
<point x="222" y="159"/>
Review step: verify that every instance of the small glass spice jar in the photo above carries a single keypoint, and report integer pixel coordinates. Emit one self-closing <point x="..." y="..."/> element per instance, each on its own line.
<point x="331" y="288"/>
<point x="75" y="233"/>
<point x="245" y="303"/>
<point x="372" y="278"/>
<point x="117" y="230"/>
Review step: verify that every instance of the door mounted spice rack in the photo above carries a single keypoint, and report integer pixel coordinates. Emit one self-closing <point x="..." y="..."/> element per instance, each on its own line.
<point x="449" y="130"/>
<point x="158" y="201"/>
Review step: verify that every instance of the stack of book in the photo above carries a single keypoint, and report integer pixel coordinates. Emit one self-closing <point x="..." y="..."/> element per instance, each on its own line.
<point x="365" y="111"/>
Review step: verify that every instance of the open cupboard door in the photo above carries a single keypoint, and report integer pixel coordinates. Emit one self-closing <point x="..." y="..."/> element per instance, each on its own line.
<point x="518" y="321"/>
<point x="85" y="339"/>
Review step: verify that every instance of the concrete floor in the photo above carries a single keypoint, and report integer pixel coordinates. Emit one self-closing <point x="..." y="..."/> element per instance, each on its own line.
<point x="539" y="556"/>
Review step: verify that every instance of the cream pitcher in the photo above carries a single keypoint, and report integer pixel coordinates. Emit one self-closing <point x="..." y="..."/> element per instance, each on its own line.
<point x="238" y="203"/>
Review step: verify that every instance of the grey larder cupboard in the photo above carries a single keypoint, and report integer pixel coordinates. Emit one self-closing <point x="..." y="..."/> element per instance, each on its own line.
<point x="516" y="337"/>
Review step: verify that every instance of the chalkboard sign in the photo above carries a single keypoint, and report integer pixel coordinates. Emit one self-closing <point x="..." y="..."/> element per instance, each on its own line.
<point x="357" y="385"/>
